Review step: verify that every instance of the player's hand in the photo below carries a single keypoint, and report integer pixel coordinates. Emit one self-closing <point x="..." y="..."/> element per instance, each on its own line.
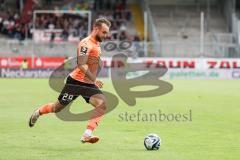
<point x="99" y="83"/>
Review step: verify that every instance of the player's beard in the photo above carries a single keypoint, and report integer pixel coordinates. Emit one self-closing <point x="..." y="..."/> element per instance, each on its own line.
<point x="98" y="38"/>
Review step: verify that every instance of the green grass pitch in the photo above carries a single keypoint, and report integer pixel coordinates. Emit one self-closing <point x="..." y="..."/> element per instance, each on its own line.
<point x="213" y="133"/>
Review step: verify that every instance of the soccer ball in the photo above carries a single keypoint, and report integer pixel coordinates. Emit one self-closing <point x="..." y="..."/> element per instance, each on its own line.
<point x="152" y="142"/>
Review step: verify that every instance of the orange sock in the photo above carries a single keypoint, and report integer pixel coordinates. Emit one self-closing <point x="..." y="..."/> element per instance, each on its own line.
<point x="97" y="115"/>
<point x="45" y="109"/>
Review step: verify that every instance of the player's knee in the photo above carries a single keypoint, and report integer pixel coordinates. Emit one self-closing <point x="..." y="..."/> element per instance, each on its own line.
<point x="58" y="107"/>
<point x="101" y="104"/>
<point x="104" y="107"/>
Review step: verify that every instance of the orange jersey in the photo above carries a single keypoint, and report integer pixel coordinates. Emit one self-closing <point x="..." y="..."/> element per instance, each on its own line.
<point x="91" y="48"/>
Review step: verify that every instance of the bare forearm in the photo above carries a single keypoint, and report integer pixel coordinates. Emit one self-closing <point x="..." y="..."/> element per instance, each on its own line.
<point x="87" y="72"/>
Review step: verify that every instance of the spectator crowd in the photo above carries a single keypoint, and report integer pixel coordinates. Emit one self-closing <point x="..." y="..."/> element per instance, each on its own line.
<point x="74" y="25"/>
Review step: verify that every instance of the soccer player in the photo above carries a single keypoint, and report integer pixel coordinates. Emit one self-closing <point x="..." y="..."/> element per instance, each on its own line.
<point x="82" y="81"/>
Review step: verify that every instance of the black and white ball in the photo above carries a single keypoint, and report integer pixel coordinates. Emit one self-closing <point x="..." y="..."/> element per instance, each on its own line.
<point x="152" y="142"/>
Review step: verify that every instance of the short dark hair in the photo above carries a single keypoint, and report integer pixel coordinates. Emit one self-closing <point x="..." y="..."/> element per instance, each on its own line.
<point x="98" y="22"/>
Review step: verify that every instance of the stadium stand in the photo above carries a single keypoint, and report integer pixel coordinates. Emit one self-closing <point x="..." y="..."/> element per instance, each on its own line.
<point x="173" y="27"/>
<point x="179" y="25"/>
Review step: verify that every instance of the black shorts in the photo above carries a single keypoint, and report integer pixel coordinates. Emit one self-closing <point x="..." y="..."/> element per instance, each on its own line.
<point x="74" y="88"/>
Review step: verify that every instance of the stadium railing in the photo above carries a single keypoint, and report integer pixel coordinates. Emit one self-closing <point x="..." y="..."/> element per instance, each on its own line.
<point x="10" y="48"/>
